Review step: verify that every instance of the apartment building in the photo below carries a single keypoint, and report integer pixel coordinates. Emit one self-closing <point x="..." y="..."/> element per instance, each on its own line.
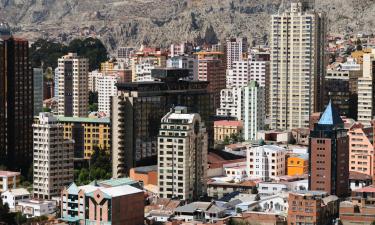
<point x="297" y="65"/>
<point x="211" y="68"/>
<point x="73" y="93"/>
<point x="361" y="149"/>
<point x="38" y="90"/>
<point x="106" y="87"/>
<point x="53" y="157"/>
<point x="366" y="85"/>
<point x="182" y="155"/>
<point x="87" y="133"/>
<point x="265" y="162"/>
<point x="146" y="59"/>
<point x="253" y="109"/>
<point x="312" y="207"/>
<point x="235" y="48"/>
<point x="230" y="103"/>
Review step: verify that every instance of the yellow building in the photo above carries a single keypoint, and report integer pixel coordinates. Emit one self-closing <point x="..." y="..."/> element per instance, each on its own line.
<point x="225" y="128"/>
<point x="87" y="133"/>
<point x="106" y="67"/>
<point x="298" y="164"/>
<point x="358" y="55"/>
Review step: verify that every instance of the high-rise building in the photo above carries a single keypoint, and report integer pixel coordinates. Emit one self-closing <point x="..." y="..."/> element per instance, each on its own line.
<point x="182" y="155"/>
<point x="265" y="162"/>
<point x="53" y="157"/>
<point x="235" y="49"/>
<point x="106" y="87"/>
<point x="137" y="111"/>
<point x="366" y="90"/>
<point x="38" y="90"/>
<point x="297" y="65"/>
<point x="253" y="110"/>
<point x="329" y="154"/>
<point x="16" y="104"/>
<point x="211" y="68"/>
<point x="73" y="95"/>
<point x="56" y="83"/>
<point x="181" y="49"/>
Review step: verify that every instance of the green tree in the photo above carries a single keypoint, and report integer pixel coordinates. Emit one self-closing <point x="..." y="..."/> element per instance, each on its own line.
<point x="226" y="140"/>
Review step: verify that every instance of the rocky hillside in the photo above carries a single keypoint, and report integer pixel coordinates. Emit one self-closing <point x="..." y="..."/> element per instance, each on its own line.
<point x="161" y="22"/>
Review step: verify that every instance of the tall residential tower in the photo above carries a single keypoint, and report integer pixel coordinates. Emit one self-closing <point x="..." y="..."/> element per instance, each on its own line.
<point x="297" y="65"/>
<point x="73" y="94"/>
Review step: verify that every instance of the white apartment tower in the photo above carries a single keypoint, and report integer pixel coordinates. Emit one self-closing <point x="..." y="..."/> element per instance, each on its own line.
<point x="253" y="109"/>
<point x="106" y="87"/>
<point x="238" y="75"/>
<point x="297" y="65"/>
<point x="230" y="103"/>
<point x="366" y="85"/>
<point x="235" y="48"/>
<point x="73" y="93"/>
<point x="265" y="162"/>
<point x="182" y="155"/>
<point x="53" y="157"/>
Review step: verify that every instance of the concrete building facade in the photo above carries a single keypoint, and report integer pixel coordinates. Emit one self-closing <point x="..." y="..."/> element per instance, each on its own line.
<point x="182" y="155"/>
<point x="297" y="65"/>
<point x="53" y="157"/>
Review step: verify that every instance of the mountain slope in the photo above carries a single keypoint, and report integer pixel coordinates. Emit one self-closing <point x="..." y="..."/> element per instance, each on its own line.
<point x="161" y="22"/>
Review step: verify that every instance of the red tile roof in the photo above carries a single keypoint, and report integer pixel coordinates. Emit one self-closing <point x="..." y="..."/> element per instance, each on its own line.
<point x="232" y="123"/>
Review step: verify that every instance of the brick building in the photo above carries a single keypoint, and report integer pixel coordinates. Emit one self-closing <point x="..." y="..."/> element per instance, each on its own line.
<point x="312" y="207"/>
<point x="329" y="154"/>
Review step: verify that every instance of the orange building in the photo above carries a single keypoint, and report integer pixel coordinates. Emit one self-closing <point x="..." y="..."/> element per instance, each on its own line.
<point x="145" y="174"/>
<point x="298" y="164"/>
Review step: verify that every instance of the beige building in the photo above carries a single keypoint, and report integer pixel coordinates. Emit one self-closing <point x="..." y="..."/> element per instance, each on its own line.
<point x="366" y="85"/>
<point x="53" y="166"/>
<point x="73" y="92"/>
<point x="297" y="65"/>
<point x="182" y="155"/>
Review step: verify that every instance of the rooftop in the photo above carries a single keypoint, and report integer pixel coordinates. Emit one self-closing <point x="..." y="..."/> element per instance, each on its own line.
<point x="359" y="176"/>
<point x="9" y="173"/>
<point x="232" y="123"/>
<point x="330" y="116"/>
<point x="83" y="120"/>
<point x="117" y="182"/>
<point x="145" y="169"/>
<point x="18" y="191"/>
<point x="117" y="191"/>
<point x="368" y="189"/>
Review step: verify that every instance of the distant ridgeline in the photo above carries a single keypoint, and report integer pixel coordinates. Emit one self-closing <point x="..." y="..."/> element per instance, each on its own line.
<point x="46" y="53"/>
